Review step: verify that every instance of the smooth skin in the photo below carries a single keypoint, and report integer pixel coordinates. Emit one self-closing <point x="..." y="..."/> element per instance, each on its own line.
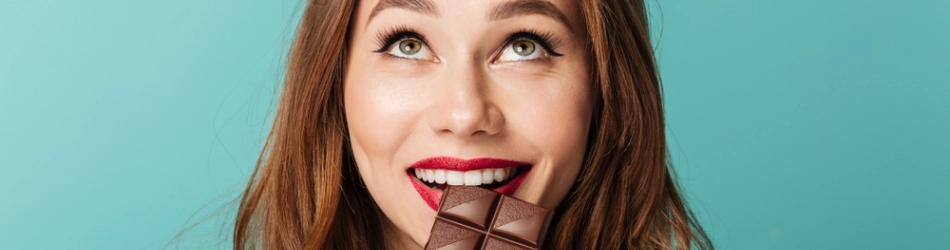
<point x="458" y="86"/>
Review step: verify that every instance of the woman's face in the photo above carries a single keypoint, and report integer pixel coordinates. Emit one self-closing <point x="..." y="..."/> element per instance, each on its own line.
<point x="491" y="93"/>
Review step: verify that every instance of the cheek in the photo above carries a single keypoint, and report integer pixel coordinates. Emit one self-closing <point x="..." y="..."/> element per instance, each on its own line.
<point x="565" y="144"/>
<point x="560" y="132"/>
<point x="557" y="125"/>
<point x="561" y="121"/>
<point x="379" y="114"/>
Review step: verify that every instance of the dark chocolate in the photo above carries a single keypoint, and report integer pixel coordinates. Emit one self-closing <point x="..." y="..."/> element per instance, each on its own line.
<point x="476" y="218"/>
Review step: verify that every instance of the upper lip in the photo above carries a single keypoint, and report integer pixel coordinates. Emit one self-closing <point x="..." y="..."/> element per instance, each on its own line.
<point x="458" y="164"/>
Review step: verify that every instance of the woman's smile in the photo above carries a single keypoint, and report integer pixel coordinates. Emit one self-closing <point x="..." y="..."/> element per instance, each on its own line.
<point x="431" y="175"/>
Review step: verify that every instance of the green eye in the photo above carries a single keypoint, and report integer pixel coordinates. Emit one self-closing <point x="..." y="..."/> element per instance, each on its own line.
<point x="410" y="46"/>
<point x="523" y="47"/>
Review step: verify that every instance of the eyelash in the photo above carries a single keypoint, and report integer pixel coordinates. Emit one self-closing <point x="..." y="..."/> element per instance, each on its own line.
<point x="396" y="34"/>
<point x="546" y="40"/>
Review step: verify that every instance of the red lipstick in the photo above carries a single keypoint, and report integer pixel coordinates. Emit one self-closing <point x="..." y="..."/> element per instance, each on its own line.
<point x="450" y="163"/>
<point x="431" y="195"/>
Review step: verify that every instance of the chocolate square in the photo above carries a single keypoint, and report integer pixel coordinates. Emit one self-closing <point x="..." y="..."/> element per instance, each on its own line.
<point x="476" y="218"/>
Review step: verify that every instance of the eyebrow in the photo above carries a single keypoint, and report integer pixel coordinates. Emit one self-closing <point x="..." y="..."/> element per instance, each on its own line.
<point x="527" y="7"/>
<point x="421" y="6"/>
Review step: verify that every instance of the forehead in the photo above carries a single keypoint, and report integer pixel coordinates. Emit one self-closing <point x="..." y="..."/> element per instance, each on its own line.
<point x="564" y="11"/>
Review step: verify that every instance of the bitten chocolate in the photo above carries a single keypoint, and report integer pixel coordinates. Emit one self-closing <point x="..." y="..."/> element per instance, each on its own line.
<point x="476" y="218"/>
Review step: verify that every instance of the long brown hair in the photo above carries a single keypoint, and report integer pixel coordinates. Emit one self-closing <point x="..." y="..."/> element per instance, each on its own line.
<point x="307" y="194"/>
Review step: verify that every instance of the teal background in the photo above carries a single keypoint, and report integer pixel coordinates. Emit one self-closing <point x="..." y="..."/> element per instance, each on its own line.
<point x="792" y="124"/>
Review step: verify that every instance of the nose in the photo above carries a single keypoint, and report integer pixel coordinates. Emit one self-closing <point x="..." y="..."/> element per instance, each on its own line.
<point x="464" y="107"/>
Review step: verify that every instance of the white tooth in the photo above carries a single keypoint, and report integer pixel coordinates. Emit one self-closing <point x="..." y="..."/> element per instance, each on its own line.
<point x="487" y="176"/>
<point x="430" y="176"/>
<point x="418" y="173"/>
<point x="454" y="177"/>
<point x="473" y="178"/>
<point x="440" y="176"/>
<point x="507" y="173"/>
<point x="499" y="174"/>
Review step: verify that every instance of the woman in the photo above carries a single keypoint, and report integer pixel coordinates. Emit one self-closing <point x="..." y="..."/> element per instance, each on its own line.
<point x="555" y="102"/>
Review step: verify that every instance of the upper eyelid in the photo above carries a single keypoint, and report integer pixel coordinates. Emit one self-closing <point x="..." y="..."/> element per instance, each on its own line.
<point x="411" y="36"/>
<point x="515" y="39"/>
<point x="390" y="37"/>
<point x="546" y="45"/>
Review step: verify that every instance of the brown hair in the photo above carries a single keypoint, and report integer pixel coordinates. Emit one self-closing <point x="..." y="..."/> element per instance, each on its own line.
<point x="306" y="192"/>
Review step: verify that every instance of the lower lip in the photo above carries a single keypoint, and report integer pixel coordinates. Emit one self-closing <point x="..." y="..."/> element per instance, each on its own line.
<point x="432" y="196"/>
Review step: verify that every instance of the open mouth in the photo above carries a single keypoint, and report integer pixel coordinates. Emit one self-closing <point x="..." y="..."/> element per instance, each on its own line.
<point x="489" y="178"/>
<point x="432" y="175"/>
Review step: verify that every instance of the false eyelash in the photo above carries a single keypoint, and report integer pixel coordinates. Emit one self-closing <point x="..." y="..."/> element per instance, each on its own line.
<point x="547" y="40"/>
<point x="392" y="35"/>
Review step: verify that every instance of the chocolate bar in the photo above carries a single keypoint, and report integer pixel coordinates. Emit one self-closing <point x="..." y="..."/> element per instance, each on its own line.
<point x="476" y="218"/>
